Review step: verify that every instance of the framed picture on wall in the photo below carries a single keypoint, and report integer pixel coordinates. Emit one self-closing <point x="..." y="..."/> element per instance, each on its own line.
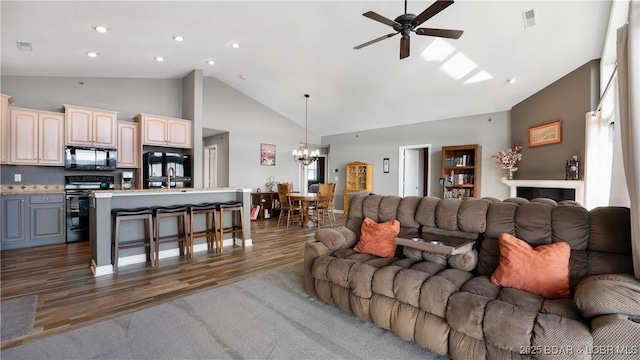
<point x="267" y="154"/>
<point x="545" y="134"/>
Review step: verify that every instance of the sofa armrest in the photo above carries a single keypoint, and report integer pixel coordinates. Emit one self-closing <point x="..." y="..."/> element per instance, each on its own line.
<point x="312" y="250"/>
<point x="608" y="294"/>
<point x="337" y="238"/>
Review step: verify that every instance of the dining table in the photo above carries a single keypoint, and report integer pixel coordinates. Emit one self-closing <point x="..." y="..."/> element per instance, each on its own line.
<point x="306" y="201"/>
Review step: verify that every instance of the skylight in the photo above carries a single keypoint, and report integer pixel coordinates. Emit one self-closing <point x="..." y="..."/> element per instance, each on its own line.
<point x="480" y="76"/>
<point x="438" y="50"/>
<point x="458" y="66"/>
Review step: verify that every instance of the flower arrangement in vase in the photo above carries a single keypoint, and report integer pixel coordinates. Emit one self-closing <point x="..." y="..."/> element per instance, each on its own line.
<point x="271" y="182"/>
<point x="507" y="159"/>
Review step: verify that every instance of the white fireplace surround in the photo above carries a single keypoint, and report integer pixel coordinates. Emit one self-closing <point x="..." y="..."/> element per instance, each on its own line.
<point x="577" y="185"/>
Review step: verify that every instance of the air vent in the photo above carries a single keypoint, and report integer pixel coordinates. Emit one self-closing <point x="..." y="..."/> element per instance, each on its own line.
<point x="24" y="45"/>
<point x="529" y="17"/>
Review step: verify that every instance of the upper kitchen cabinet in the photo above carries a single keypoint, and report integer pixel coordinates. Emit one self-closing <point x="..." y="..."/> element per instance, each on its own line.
<point x="37" y="137"/>
<point x="128" y="148"/>
<point x="5" y="101"/>
<point x="91" y="127"/>
<point x="165" y="131"/>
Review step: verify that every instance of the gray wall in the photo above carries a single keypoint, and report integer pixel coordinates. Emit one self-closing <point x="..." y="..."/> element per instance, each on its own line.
<point x="222" y="142"/>
<point x="567" y="99"/>
<point x="491" y="131"/>
<point x="249" y="124"/>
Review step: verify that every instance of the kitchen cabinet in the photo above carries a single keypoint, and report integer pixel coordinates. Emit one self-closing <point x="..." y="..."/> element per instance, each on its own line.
<point x="128" y="145"/>
<point x="5" y="101"/>
<point x="14" y="219"/>
<point x="37" y="137"/>
<point x="90" y="127"/>
<point x="32" y="220"/>
<point x="165" y="131"/>
<point x="359" y="177"/>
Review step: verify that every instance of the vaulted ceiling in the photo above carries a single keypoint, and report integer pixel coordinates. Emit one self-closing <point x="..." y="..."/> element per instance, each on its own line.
<point x="289" y="48"/>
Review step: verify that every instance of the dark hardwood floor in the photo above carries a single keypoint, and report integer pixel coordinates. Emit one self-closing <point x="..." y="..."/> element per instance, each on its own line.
<point x="69" y="296"/>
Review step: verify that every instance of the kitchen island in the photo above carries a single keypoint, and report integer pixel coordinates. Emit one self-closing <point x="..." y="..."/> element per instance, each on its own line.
<point x="100" y="220"/>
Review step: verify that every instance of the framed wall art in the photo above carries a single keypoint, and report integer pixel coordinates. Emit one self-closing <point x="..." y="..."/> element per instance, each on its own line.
<point x="385" y="165"/>
<point x="545" y="134"/>
<point x="267" y="154"/>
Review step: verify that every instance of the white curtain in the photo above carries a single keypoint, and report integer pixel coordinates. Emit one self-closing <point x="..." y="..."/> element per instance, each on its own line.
<point x="628" y="56"/>
<point x="598" y="160"/>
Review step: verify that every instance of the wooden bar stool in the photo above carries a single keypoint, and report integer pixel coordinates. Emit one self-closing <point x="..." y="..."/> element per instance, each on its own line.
<point x="181" y="235"/>
<point x="211" y="229"/>
<point x="148" y="242"/>
<point x="235" y="207"/>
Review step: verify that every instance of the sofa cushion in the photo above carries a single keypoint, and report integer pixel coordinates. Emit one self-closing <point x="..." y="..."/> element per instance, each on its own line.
<point x="543" y="270"/>
<point x="378" y="239"/>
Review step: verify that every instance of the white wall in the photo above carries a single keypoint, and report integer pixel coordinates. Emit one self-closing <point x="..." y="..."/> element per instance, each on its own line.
<point x="373" y="145"/>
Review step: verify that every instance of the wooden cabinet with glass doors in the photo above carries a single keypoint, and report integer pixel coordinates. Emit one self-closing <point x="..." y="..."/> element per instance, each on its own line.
<point x="359" y="177"/>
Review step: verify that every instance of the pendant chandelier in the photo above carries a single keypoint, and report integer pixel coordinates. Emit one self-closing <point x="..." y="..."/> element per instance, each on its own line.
<point x="304" y="156"/>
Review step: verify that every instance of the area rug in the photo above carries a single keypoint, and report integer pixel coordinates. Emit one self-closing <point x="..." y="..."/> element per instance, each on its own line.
<point x="17" y="316"/>
<point x="266" y="317"/>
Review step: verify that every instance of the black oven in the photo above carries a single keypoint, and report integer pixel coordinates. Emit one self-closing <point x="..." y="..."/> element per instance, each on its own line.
<point x="78" y="190"/>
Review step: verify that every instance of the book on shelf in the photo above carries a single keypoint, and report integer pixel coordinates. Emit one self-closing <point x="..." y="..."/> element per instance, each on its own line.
<point x="255" y="210"/>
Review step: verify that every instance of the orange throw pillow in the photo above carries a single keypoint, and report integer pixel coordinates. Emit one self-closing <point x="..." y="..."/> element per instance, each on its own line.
<point x="543" y="270"/>
<point x="378" y="239"/>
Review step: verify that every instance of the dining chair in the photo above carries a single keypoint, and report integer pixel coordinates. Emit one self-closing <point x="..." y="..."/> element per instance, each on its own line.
<point x="293" y="210"/>
<point x="324" y="203"/>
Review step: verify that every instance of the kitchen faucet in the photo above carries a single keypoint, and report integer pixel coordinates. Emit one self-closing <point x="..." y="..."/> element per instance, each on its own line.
<point x="170" y="171"/>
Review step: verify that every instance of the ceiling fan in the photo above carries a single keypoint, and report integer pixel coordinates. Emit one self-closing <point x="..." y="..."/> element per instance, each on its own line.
<point x="407" y="23"/>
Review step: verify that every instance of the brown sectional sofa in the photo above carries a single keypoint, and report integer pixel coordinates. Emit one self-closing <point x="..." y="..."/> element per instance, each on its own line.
<point x="448" y="304"/>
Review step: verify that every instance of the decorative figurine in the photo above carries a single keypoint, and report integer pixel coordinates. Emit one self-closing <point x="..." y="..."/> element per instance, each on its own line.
<point x="571" y="168"/>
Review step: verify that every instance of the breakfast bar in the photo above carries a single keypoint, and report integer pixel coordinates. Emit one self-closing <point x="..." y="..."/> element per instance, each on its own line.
<point x="102" y="202"/>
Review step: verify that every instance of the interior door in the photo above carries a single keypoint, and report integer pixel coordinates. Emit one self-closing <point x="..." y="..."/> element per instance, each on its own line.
<point x="213" y="159"/>
<point x="411" y="172"/>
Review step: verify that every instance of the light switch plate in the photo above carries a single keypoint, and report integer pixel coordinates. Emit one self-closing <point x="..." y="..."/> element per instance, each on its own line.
<point x="17" y="177"/>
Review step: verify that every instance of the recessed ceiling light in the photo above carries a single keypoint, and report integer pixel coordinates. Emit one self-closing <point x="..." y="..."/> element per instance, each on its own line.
<point x="235" y="45"/>
<point x="512" y="81"/>
<point x="178" y="38"/>
<point x="242" y="77"/>
<point x="211" y="62"/>
<point x="101" y="28"/>
<point x="91" y="54"/>
<point x="160" y="58"/>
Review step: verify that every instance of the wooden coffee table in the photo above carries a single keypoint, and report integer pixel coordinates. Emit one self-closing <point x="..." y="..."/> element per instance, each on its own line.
<point x="438" y="244"/>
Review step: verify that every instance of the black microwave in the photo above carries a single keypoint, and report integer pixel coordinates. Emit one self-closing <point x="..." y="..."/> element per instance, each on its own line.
<point x="90" y="158"/>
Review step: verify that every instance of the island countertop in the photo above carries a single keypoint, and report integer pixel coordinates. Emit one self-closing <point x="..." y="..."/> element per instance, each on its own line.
<point x="103" y="201"/>
<point x="172" y="191"/>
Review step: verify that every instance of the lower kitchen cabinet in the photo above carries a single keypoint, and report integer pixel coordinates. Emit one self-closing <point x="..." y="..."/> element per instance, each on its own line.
<point x="32" y="220"/>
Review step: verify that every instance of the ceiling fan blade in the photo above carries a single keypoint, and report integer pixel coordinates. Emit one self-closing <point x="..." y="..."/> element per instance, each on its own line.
<point x="404" y="47"/>
<point x="431" y="11"/>
<point x="377" y="17"/>
<point x="374" y="41"/>
<point x="445" y="33"/>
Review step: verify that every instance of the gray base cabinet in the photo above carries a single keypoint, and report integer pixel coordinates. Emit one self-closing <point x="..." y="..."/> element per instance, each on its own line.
<point x="32" y="220"/>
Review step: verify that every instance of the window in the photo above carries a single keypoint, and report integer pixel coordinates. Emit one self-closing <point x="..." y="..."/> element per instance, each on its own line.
<point x="312" y="171"/>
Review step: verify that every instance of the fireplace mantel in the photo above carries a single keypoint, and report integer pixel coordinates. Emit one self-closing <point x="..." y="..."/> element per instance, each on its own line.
<point x="577" y="185"/>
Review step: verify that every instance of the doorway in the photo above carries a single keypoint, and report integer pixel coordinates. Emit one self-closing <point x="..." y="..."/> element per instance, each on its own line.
<point x="414" y="168"/>
<point x="211" y="166"/>
<point x="315" y="173"/>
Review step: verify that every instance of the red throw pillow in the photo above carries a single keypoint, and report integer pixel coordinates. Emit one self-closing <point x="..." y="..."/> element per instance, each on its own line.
<point x="543" y="270"/>
<point x="378" y="239"/>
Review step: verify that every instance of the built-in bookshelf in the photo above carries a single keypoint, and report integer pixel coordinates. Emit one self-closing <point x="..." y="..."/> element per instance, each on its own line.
<point x="461" y="171"/>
